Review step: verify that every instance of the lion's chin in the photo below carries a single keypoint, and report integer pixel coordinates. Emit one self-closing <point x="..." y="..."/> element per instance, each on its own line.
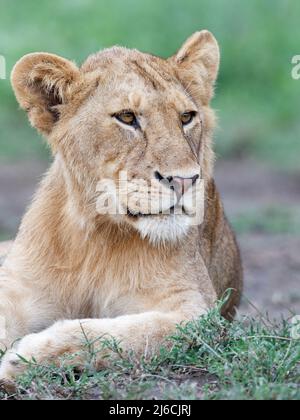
<point x="164" y="229"/>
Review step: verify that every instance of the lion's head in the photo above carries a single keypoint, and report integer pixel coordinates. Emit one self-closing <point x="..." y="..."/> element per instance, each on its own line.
<point x="124" y="113"/>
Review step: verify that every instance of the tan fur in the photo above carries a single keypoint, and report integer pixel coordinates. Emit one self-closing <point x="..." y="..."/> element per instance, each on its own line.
<point x="68" y="263"/>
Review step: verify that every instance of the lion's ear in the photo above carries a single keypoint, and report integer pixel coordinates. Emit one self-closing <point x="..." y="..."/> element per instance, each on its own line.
<point x="198" y="62"/>
<point x="42" y="82"/>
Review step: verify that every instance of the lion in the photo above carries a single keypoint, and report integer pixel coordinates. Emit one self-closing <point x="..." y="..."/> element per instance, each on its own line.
<point x="74" y="272"/>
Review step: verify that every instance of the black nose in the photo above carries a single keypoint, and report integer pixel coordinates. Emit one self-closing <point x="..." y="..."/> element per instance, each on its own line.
<point x="177" y="183"/>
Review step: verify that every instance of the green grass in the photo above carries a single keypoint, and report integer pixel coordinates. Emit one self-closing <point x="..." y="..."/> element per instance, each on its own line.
<point x="210" y="359"/>
<point x="257" y="99"/>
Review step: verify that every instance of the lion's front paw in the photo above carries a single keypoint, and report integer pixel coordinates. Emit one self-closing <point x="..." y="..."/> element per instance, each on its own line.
<point x="35" y="349"/>
<point x="10" y="368"/>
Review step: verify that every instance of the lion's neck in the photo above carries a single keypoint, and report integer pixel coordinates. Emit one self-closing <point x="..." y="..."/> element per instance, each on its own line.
<point x="68" y="231"/>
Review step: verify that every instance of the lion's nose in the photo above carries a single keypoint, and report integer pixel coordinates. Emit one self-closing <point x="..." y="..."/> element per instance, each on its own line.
<point x="177" y="183"/>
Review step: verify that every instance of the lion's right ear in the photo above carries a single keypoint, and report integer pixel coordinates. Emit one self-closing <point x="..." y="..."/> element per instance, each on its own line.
<point x="197" y="63"/>
<point x="42" y="82"/>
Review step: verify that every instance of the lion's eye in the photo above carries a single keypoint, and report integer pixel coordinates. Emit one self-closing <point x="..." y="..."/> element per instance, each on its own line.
<point x="127" y="118"/>
<point x="187" y="117"/>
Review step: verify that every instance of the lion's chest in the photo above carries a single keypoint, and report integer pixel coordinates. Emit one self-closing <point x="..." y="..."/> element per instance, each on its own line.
<point x="109" y="285"/>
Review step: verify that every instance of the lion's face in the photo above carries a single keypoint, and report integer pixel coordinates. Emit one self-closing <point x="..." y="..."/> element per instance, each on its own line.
<point x="135" y="132"/>
<point x="131" y="130"/>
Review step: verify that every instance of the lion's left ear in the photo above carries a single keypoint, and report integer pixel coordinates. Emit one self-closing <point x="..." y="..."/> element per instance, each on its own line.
<point x="42" y="83"/>
<point x="198" y="62"/>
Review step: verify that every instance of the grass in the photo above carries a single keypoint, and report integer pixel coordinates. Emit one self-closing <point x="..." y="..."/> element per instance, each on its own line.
<point x="257" y="99"/>
<point x="210" y="359"/>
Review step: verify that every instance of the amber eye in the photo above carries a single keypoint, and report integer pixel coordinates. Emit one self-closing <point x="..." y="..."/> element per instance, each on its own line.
<point x="187" y="117"/>
<point x="127" y="118"/>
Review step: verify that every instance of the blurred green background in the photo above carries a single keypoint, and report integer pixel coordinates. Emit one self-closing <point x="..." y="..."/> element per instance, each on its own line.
<point x="257" y="99"/>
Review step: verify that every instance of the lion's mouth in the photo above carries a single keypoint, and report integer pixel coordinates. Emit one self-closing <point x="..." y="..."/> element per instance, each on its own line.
<point x="178" y="209"/>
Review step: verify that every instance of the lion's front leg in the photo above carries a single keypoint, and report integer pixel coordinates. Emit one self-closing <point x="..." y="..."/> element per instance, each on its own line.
<point x="24" y="309"/>
<point x="17" y="306"/>
<point x="138" y="333"/>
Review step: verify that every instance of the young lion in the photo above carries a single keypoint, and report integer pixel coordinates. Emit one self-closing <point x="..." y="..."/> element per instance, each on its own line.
<point x="74" y="271"/>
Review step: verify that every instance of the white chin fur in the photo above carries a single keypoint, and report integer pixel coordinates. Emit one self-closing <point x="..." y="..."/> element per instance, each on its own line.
<point x="163" y="230"/>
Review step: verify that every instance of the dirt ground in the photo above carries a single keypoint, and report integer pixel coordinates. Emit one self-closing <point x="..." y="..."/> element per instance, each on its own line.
<point x="271" y="261"/>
